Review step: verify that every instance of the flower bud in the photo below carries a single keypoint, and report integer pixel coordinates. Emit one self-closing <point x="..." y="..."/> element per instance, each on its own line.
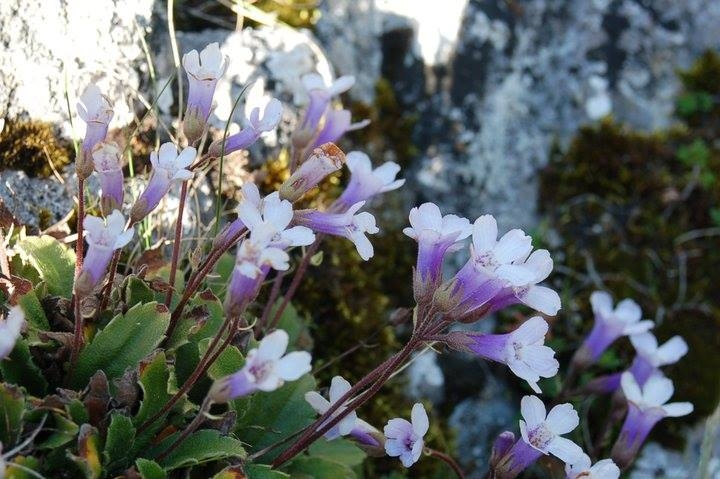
<point x="324" y="160"/>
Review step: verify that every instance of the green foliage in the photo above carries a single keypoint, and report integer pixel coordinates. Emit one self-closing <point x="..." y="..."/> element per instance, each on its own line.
<point x="202" y="446"/>
<point x="12" y="407"/>
<point x="53" y="261"/>
<point x="32" y="146"/>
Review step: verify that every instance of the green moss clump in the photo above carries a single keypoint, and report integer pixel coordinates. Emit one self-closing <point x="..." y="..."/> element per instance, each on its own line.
<point x="31" y="146"/>
<point x="636" y="215"/>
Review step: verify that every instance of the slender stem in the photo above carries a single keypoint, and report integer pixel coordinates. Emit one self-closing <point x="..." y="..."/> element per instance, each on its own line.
<point x="78" y="337"/>
<point x="176" y="244"/>
<point x="107" y="289"/>
<point x="79" y="244"/>
<point x="295" y="283"/>
<point x="274" y="293"/>
<point x="447" y="459"/>
<point x="204" y="408"/>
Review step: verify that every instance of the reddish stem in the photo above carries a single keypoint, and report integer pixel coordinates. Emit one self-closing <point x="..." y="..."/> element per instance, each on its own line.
<point x="447" y="459"/>
<point x="176" y="244"/>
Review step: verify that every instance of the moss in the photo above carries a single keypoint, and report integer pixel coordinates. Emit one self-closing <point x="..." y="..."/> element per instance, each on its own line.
<point x="32" y="146"/>
<point x="634" y="211"/>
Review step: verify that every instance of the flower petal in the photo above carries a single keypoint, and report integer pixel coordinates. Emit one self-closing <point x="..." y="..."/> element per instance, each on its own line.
<point x="420" y="421"/>
<point x="677" y="409"/>
<point x="562" y="419"/>
<point x="273" y="346"/>
<point x="397" y="428"/>
<point x="317" y="402"/>
<point x="542" y="299"/>
<point x="293" y="365"/>
<point x="602" y="303"/>
<point x="338" y="387"/>
<point x="485" y="233"/>
<point x="630" y="388"/>
<point x="533" y="411"/>
<point x="564" y="449"/>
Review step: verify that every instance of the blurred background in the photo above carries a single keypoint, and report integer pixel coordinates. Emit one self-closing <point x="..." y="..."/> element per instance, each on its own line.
<point x="594" y="125"/>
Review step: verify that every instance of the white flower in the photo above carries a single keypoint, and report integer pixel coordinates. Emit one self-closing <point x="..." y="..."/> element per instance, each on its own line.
<point x="526" y="353"/>
<point x="647" y="347"/>
<point x="654" y="395"/>
<point x="427" y="224"/>
<point x="268" y="222"/>
<point x="107" y="235"/>
<point x="338" y="387"/>
<point x="496" y="257"/>
<point x="10" y="329"/>
<point x="253" y="255"/>
<point x="366" y="182"/>
<point x="583" y="469"/>
<point x="210" y="64"/>
<point x="272" y="114"/>
<point x="542" y="432"/>
<point x="541" y="298"/>
<point x="405" y="439"/>
<point x="94" y="107"/>
<point x="171" y="166"/>
<point x="624" y="320"/>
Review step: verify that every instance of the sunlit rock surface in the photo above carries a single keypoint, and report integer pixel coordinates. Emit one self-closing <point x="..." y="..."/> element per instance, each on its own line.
<point x="50" y="48"/>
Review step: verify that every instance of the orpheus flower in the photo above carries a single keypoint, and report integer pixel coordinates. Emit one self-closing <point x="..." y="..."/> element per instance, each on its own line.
<point x="366" y="182"/>
<point x="168" y="167"/>
<point x="323" y="161"/>
<point x="649" y="356"/>
<point x="405" y="439"/>
<point x="491" y="267"/>
<point x="583" y="468"/>
<point x="270" y="220"/>
<point x="320" y="96"/>
<point x="266" y="368"/>
<point x="360" y="431"/>
<point x="203" y="72"/>
<point x="337" y="123"/>
<point x="523" y="350"/>
<point x="646" y="406"/>
<point x="348" y="225"/>
<point x="10" y="328"/>
<point x="103" y="238"/>
<point x="436" y="235"/>
<point x="256" y="126"/>
<point x="106" y="159"/>
<point x="96" y="111"/>
<point x="610" y="324"/>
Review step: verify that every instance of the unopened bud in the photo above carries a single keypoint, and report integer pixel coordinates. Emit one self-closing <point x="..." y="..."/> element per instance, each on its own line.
<point x="324" y="160"/>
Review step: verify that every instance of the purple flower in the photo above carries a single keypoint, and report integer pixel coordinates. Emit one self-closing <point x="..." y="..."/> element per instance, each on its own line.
<point x="323" y="161"/>
<point x="168" y="167"/>
<point x="337" y="123"/>
<point x="405" y="439"/>
<point x="543" y="432"/>
<point x="320" y="96"/>
<point x="583" y="468"/>
<point x="436" y="235"/>
<point x="366" y="182"/>
<point x="348" y="225"/>
<point x="10" y="328"/>
<point x="203" y="72"/>
<point x="610" y="324"/>
<point x="650" y="357"/>
<point x="249" y="193"/>
<point x="266" y="368"/>
<point x="523" y="350"/>
<point x="103" y="238"/>
<point x="256" y="126"/>
<point x="270" y="220"/>
<point x="646" y="406"/>
<point x="106" y="159"/>
<point x="96" y="111"/>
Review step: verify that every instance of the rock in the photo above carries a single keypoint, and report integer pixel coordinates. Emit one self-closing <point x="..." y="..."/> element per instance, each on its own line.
<point x="426" y="379"/>
<point x="656" y="461"/>
<point x="49" y="47"/>
<point x="30" y="199"/>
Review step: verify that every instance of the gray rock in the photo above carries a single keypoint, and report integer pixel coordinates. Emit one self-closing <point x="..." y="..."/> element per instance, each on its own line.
<point x="425" y="378"/>
<point x="26" y="198"/>
<point x="49" y="47"/>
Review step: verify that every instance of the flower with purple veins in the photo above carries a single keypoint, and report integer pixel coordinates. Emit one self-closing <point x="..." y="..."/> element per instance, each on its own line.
<point x="649" y="356"/>
<point x="255" y="127"/>
<point x="168" y="167"/>
<point x="646" y="406"/>
<point x="323" y="161"/>
<point x="266" y="368"/>
<point x="10" y="328"/>
<point x="106" y="159"/>
<point x="405" y="439"/>
<point x="366" y="182"/>
<point x="95" y="110"/>
<point x="337" y="123"/>
<point x="610" y="324"/>
<point x="436" y="235"/>
<point x="269" y="222"/>
<point x="583" y="468"/>
<point x="543" y="432"/>
<point x="348" y="225"/>
<point x="203" y="72"/>
<point x="103" y="238"/>
<point x="523" y="350"/>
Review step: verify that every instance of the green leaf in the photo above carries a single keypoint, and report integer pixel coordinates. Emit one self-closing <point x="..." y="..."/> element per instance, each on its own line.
<point x="339" y="450"/>
<point x="262" y="471"/>
<point x="88" y="458"/>
<point x="153" y="380"/>
<point x="319" y="468"/>
<point x="203" y="318"/>
<point x="20" y="369"/>
<point x="63" y="432"/>
<point x="137" y="292"/>
<point x="119" y="442"/>
<point x="270" y="417"/>
<point x="123" y="343"/>
<point x="229" y="362"/>
<point x="54" y="262"/>
<point x="219" y="281"/>
<point x="12" y="408"/>
<point x="34" y="313"/>
<point x="295" y="326"/>
<point x="150" y="469"/>
<point x="202" y="446"/>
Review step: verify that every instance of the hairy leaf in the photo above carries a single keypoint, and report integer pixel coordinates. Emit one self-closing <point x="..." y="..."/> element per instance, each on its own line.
<point x="202" y="446"/>
<point x="12" y="408"/>
<point x="119" y="442"/>
<point x="150" y="469"/>
<point x="54" y="262"/>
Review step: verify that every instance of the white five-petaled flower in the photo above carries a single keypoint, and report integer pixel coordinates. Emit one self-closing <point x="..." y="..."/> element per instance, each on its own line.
<point x="543" y="431"/>
<point x="338" y="387"/>
<point x="670" y="352"/>
<point x="96" y="111"/>
<point x="269" y="221"/>
<point x="366" y="182"/>
<point x="523" y="350"/>
<point x="405" y="439"/>
<point x="103" y="237"/>
<point x="320" y="95"/>
<point x="583" y="468"/>
<point x="10" y="329"/>
<point x="653" y="396"/>
<point x="266" y="368"/>
<point x="493" y="256"/>
<point x="168" y="167"/>
<point x="255" y="127"/>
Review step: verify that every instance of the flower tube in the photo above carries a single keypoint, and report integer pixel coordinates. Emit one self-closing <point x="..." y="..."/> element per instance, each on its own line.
<point x="203" y="72"/>
<point x="366" y="182"/>
<point x="95" y="110"/>
<point x="106" y="159"/>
